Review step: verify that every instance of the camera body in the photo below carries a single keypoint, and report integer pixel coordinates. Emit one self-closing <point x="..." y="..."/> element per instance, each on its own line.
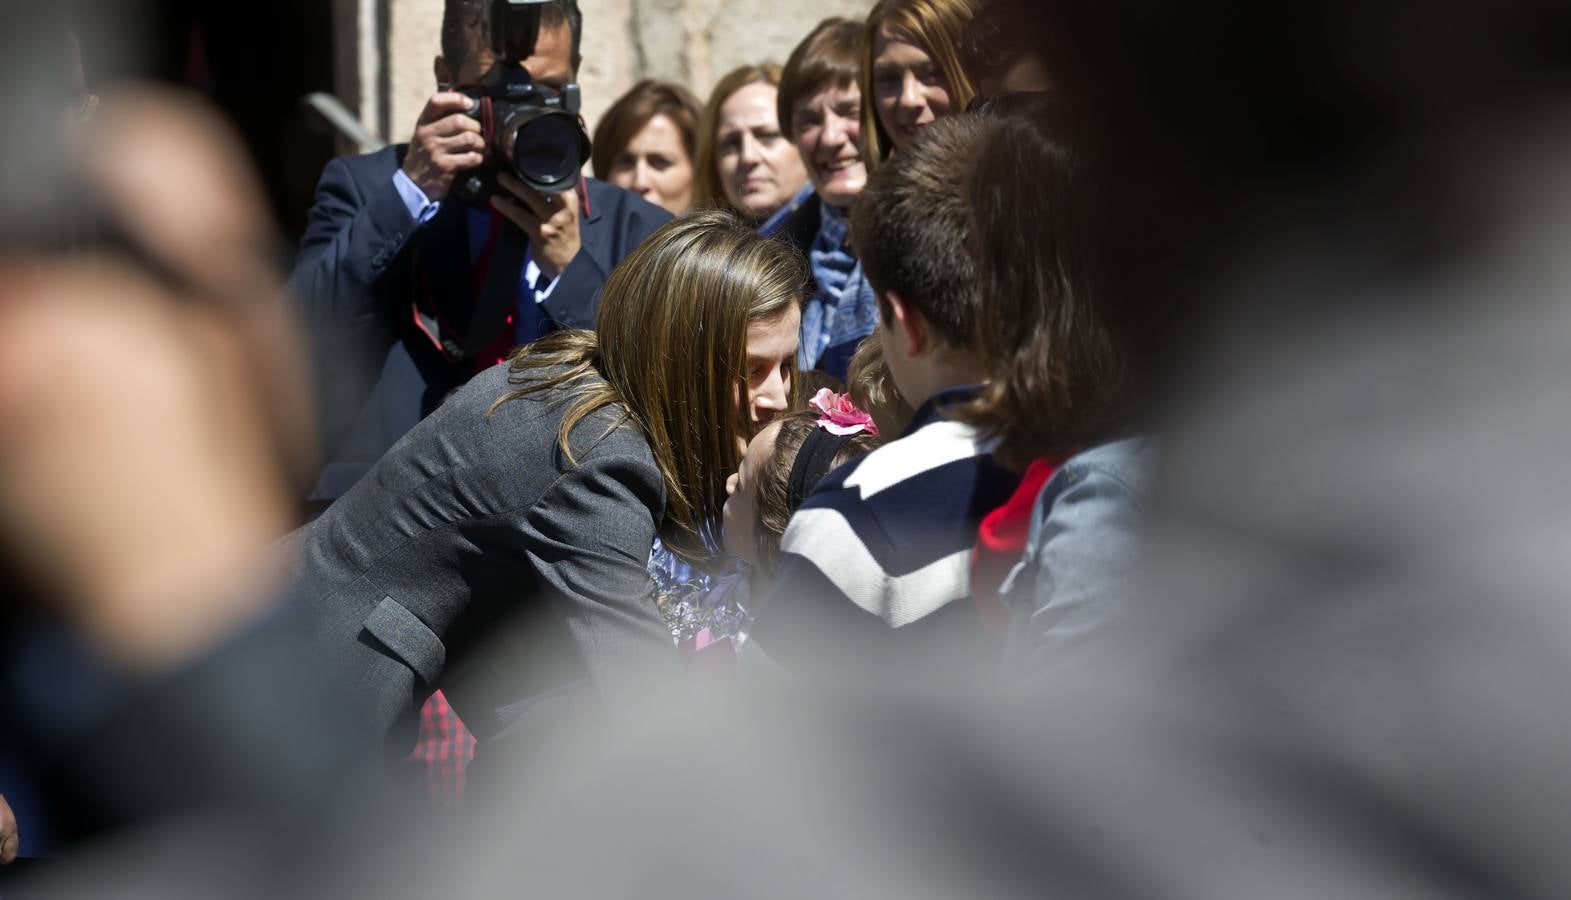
<point x="529" y="129"/>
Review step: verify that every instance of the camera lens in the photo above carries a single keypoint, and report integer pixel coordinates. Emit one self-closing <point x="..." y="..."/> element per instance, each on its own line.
<point x="545" y="151"/>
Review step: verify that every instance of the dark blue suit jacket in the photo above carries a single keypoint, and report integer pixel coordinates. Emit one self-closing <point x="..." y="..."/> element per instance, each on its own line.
<point x="362" y="265"/>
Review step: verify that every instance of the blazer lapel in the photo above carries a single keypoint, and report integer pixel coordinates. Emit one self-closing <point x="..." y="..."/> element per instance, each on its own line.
<point x="592" y="231"/>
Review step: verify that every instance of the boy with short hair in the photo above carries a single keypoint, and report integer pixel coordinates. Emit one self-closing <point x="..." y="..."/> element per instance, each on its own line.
<point x="877" y="558"/>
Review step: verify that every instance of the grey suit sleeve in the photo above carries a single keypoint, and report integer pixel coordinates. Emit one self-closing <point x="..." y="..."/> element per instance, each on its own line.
<point x="590" y="537"/>
<point x="1086" y="542"/>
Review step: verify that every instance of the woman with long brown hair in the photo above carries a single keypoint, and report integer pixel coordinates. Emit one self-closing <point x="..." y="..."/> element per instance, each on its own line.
<point x="498" y="552"/>
<point x="1055" y="400"/>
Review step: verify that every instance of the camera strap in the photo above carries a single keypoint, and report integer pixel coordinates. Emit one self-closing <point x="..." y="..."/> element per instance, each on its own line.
<point x="497" y="292"/>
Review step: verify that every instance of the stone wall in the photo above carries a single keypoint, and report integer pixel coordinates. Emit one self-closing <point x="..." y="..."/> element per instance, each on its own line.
<point x="693" y="42"/>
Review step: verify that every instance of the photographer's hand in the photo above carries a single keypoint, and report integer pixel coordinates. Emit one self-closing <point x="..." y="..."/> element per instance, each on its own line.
<point x="446" y="142"/>
<point x="550" y="220"/>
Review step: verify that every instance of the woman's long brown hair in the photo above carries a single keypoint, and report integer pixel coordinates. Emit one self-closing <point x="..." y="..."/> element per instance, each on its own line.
<point x="670" y="348"/>
<point x="1057" y="368"/>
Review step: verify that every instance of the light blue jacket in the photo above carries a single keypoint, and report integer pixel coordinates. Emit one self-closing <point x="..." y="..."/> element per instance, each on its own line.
<point x="1085" y="541"/>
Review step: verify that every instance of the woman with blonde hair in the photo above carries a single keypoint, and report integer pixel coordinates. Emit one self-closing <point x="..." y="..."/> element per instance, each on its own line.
<point x="911" y="72"/>
<point x="746" y="162"/>
<point x="498" y="552"/>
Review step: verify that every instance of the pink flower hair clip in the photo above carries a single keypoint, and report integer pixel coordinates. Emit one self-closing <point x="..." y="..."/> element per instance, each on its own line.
<point x="839" y="416"/>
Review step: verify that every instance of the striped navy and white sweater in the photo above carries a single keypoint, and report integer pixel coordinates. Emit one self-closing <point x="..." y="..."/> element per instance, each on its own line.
<point x="877" y="560"/>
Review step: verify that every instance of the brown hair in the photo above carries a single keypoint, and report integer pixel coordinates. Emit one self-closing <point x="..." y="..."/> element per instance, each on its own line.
<point x="826" y="58"/>
<point x="633" y="110"/>
<point x="671" y="346"/>
<point x="872" y="388"/>
<point x="933" y="25"/>
<point x="1056" y="366"/>
<point x="771" y="487"/>
<point x="911" y="226"/>
<point x="707" y="189"/>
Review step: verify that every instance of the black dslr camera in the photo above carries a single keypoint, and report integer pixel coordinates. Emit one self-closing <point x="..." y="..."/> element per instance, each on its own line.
<point x="529" y="129"/>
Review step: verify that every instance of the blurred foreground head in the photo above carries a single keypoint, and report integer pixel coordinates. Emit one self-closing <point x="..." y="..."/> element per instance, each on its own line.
<point x="151" y="397"/>
<point x="152" y="430"/>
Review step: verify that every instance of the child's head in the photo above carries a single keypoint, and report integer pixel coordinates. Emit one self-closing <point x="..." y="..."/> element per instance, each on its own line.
<point x="911" y="229"/>
<point x="782" y="465"/>
<point x="873" y="388"/>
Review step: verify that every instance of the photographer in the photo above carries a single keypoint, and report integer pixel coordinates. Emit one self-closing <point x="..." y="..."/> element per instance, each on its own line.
<point x="395" y="268"/>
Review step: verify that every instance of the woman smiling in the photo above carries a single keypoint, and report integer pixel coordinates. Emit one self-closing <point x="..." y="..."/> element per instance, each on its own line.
<point x="820" y="107"/>
<point x="911" y="73"/>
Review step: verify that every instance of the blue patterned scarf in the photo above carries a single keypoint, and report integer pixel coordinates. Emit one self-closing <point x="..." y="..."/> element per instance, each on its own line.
<point x="843" y="311"/>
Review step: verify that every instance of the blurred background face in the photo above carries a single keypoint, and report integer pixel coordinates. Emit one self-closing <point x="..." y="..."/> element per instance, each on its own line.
<point x="909" y="89"/>
<point x="828" y="135"/>
<point x="655" y="166"/>
<point x="760" y="170"/>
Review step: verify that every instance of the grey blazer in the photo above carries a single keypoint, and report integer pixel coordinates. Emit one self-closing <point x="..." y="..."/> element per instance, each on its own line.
<point x="473" y="558"/>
